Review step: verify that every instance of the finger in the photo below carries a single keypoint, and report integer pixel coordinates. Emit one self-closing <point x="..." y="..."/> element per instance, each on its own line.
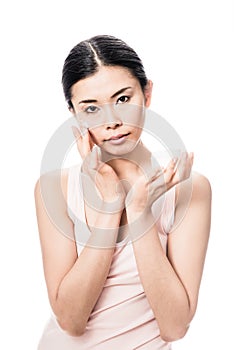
<point x="181" y="166"/>
<point x="78" y="137"/>
<point x="187" y="160"/>
<point x="154" y="174"/>
<point x="183" y="169"/>
<point x="86" y="143"/>
<point x="94" y="158"/>
<point x="170" y="170"/>
<point x="83" y="140"/>
<point x="76" y="132"/>
<point x="191" y="158"/>
<point x="92" y="139"/>
<point x="182" y="159"/>
<point x="189" y="164"/>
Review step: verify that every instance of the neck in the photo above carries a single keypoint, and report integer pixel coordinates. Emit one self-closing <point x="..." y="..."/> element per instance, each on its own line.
<point x="131" y="163"/>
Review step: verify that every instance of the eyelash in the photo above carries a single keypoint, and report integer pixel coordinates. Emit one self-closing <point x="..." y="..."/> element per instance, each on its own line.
<point x="96" y="108"/>
<point x="87" y="109"/>
<point x="124" y="96"/>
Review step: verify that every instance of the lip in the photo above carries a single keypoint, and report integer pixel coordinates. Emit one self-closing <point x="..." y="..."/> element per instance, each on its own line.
<point x="118" y="139"/>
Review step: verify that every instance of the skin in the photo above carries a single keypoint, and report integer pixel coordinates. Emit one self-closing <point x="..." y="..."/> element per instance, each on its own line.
<point x="171" y="281"/>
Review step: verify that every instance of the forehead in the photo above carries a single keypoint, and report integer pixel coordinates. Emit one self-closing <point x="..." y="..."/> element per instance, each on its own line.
<point x="104" y="83"/>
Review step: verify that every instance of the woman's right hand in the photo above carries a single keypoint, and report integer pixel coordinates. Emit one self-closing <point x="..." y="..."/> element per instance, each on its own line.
<point x="98" y="175"/>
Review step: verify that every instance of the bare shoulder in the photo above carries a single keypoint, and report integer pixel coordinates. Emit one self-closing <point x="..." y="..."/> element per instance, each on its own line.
<point x="51" y="200"/>
<point x="201" y="186"/>
<point x="51" y="181"/>
<point x="56" y="229"/>
<point x="192" y="194"/>
<point x="51" y="206"/>
<point x="196" y="187"/>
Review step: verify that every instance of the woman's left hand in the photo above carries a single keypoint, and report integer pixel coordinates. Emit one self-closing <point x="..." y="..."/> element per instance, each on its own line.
<point x="147" y="189"/>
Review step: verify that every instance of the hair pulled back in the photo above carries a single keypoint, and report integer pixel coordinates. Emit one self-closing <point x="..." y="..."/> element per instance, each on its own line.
<point x="101" y="50"/>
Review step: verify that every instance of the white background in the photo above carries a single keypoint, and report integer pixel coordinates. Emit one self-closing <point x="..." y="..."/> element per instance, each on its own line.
<point x="187" y="50"/>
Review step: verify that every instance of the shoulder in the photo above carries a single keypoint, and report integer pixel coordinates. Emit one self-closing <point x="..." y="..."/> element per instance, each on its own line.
<point x="50" y="194"/>
<point x="52" y="181"/>
<point x="196" y="189"/>
<point x="193" y="204"/>
<point x="201" y="187"/>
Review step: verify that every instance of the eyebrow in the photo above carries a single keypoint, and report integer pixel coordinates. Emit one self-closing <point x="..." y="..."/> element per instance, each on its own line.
<point x="115" y="94"/>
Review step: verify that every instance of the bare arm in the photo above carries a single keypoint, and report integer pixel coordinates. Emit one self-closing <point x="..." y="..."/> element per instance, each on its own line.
<point x="81" y="287"/>
<point x="171" y="283"/>
<point x="74" y="284"/>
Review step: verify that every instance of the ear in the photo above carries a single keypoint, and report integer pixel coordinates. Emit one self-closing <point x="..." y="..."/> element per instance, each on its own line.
<point x="148" y="93"/>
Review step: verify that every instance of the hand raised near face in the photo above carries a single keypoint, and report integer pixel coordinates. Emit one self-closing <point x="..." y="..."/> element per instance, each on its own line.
<point x="102" y="188"/>
<point x="148" y="189"/>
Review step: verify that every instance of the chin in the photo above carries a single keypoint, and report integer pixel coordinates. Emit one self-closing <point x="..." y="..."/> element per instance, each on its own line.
<point x="119" y="150"/>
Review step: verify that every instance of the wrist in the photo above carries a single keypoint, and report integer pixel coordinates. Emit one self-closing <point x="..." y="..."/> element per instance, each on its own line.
<point x="112" y="207"/>
<point x="107" y="206"/>
<point x="104" y="232"/>
<point x="136" y="213"/>
<point x="139" y="223"/>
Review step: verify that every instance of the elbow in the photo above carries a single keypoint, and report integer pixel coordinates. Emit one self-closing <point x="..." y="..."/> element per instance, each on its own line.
<point x="171" y="335"/>
<point x="73" y="329"/>
<point x="68" y="320"/>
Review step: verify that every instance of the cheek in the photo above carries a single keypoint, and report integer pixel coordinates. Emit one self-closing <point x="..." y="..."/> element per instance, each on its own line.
<point x="134" y="116"/>
<point x="137" y="133"/>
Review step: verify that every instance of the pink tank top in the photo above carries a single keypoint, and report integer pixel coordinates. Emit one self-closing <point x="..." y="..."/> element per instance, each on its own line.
<point x="122" y="318"/>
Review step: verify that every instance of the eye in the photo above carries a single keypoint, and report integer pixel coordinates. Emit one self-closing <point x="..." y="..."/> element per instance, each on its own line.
<point x="91" y="109"/>
<point x="123" y="99"/>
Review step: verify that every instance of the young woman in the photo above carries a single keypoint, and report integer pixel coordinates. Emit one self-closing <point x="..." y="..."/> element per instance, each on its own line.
<point x="133" y="281"/>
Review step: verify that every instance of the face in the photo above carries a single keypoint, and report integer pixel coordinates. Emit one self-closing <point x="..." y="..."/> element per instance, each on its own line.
<point x="111" y="104"/>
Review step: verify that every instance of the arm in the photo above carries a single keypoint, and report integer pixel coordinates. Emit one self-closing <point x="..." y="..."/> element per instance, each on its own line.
<point x="171" y="282"/>
<point x="74" y="284"/>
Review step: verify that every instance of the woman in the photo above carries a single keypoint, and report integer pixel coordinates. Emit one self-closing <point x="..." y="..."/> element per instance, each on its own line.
<point x="133" y="281"/>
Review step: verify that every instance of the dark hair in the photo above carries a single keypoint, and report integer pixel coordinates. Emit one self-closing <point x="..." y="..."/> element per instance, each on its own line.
<point x="101" y="50"/>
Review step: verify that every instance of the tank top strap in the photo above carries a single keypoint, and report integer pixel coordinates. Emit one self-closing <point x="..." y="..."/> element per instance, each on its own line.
<point x="164" y="208"/>
<point x="74" y="194"/>
<point x="76" y="206"/>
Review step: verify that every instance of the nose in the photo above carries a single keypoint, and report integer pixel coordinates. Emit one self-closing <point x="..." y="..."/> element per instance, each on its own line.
<point x="112" y="118"/>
